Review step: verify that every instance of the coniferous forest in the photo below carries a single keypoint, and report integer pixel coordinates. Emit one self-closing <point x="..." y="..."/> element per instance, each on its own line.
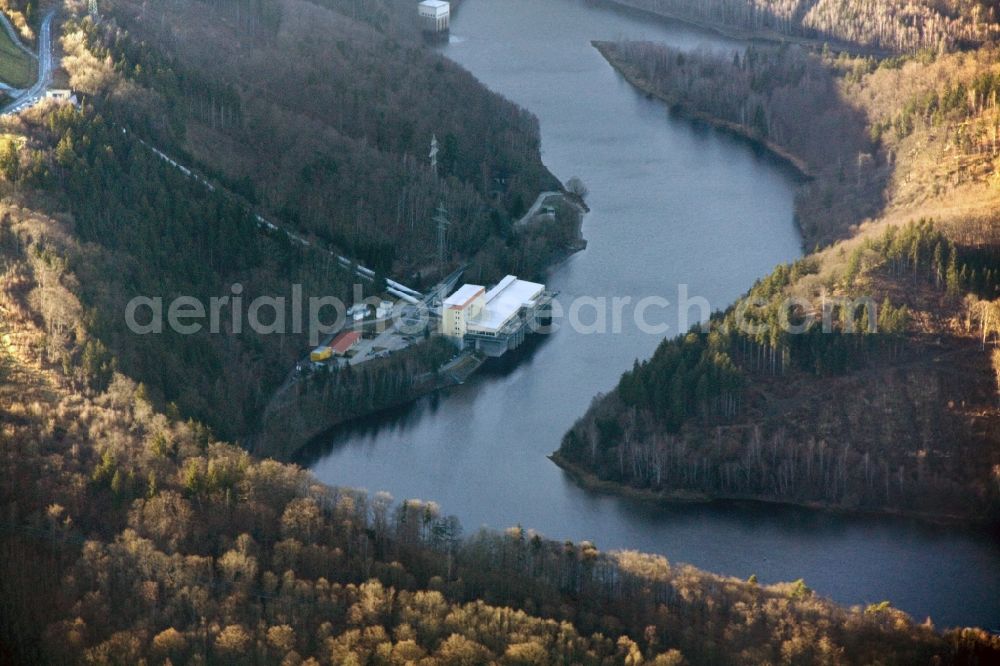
<point x="903" y="315"/>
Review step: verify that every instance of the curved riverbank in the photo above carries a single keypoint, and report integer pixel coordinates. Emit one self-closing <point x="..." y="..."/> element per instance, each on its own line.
<point x="295" y="415"/>
<point x="673" y="203"/>
<point x="587" y="479"/>
<point x="292" y="420"/>
<point x="630" y="74"/>
<point x="732" y="32"/>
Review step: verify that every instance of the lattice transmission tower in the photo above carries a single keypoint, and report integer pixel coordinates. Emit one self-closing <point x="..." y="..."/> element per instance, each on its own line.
<point x="441" y="218"/>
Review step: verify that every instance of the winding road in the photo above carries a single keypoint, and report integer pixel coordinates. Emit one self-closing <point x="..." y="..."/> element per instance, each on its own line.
<point x="32" y="95"/>
<point x="527" y="217"/>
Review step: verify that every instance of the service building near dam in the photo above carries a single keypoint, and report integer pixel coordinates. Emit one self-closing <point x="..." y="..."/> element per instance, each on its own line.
<point x="435" y="16"/>
<point x="496" y="321"/>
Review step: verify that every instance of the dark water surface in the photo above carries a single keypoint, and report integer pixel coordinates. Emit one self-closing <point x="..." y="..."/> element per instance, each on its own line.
<point x="673" y="204"/>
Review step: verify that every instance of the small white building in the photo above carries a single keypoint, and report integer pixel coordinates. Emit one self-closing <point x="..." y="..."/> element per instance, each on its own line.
<point x="62" y="95"/>
<point x="358" y="312"/>
<point x="384" y="310"/>
<point x="435" y="15"/>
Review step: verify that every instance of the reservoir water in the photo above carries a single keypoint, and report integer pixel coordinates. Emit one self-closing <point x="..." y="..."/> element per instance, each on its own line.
<point x="672" y="204"/>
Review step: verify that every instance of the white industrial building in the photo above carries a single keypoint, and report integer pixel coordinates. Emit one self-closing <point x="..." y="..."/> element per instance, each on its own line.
<point x="493" y="321"/>
<point x="435" y="15"/>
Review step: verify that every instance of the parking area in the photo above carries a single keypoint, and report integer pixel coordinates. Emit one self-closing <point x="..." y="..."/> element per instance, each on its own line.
<point x="380" y="338"/>
<point x="379" y="345"/>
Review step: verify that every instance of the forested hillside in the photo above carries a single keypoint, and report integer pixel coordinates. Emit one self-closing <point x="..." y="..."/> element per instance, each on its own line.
<point x="891" y="26"/>
<point x="320" y="120"/>
<point x="866" y="375"/>
<point x="134" y="226"/>
<point x="901" y="417"/>
<point x="129" y="536"/>
<point x="23" y="14"/>
<point x="322" y="113"/>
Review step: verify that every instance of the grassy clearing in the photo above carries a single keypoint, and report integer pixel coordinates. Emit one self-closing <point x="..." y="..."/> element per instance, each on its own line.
<point x="17" y="68"/>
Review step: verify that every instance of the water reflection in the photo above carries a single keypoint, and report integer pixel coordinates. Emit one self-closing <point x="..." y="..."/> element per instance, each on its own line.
<point x="672" y="203"/>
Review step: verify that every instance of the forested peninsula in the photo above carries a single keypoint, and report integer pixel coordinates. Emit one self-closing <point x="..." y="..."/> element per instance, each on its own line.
<point x="866" y="375"/>
<point x="874" y="28"/>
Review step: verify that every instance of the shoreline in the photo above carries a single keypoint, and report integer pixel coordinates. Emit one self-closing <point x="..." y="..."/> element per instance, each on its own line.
<point x="587" y="480"/>
<point x="740" y="34"/>
<point x="260" y="442"/>
<point x="797" y="164"/>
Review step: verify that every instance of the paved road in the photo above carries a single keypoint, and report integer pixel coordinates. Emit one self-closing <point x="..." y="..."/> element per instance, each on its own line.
<point x="527" y="217"/>
<point x="35" y="93"/>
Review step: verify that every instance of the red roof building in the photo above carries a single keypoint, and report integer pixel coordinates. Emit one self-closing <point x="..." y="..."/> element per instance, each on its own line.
<point x="345" y="342"/>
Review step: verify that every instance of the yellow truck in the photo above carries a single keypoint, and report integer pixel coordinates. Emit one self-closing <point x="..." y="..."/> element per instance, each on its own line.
<point x="321" y="354"/>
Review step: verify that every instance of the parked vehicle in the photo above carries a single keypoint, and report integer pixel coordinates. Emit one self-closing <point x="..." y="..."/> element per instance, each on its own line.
<point x="321" y="354"/>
